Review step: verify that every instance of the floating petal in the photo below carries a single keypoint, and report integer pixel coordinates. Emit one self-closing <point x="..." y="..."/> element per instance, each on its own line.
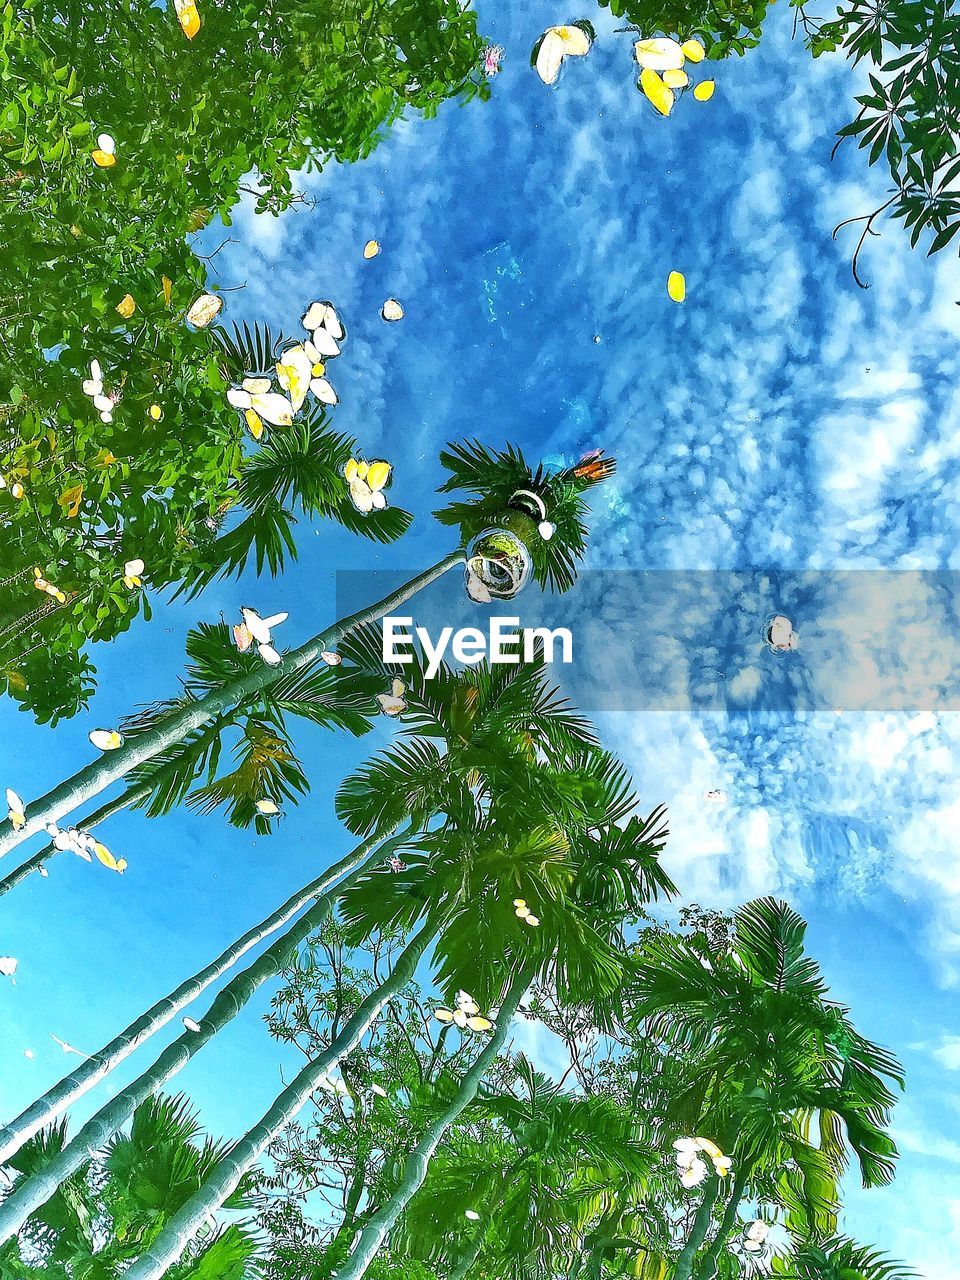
<point x="126" y="306"/>
<point x="106" y="739"/>
<point x="656" y="91"/>
<point x="269" y="808"/>
<point x="324" y="392"/>
<point x="703" y="92"/>
<point x="8" y="966"/>
<point x="675" y="79"/>
<point x="693" y="50"/>
<point x="206" y="308"/>
<point x="273" y="408"/>
<point x="659" y="54"/>
<point x="188" y="16"/>
<point x="676" y="286"/>
<point x="294" y="370"/>
<point x="391" y="310"/>
<point x="254" y="423"/>
<point x="371" y="248"/>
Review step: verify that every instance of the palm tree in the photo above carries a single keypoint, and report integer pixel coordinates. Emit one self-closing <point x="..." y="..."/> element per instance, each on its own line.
<point x="501" y="484"/>
<point x="776" y="1063"/>
<point x="94" y="1068"/>
<point x="415" y="1169"/>
<point x="103" y="1214"/>
<point x="554" y="1157"/>
<point x="186" y="717"/>
<point x="32" y="1192"/>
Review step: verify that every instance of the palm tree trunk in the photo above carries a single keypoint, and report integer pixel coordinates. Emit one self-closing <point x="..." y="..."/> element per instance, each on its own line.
<point x="418" y="1162"/>
<point x="56" y="1100"/>
<point x="227" y="1175"/>
<point x="128" y="800"/>
<point x="29" y="1193"/>
<point x="466" y="1262"/>
<point x="698" y="1232"/>
<point x="93" y="779"/>
<point x="708" y="1263"/>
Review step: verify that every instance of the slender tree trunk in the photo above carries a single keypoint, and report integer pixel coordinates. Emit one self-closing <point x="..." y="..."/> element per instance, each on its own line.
<point x="56" y="1100"/>
<point x="418" y="1162"/>
<point x="227" y="1175"/>
<point x="128" y="800"/>
<point x="93" y="779"/>
<point x="708" y="1263"/>
<point x="466" y="1262"/>
<point x="343" y="1236"/>
<point x="698" y="1232"/>
<point x="31" y="1192"/>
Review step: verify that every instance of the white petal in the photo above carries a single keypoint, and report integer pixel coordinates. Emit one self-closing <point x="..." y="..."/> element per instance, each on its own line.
<point x="96" y="373"/>
<point x="661" y="54"/>
<point x="106" y="143"/>
<point x="322" y="389"/>
<point x="325" y="343"/>
<point x="238" y="398"/>
<point x="273" y="408"/>
<point x="269" y="655"/>
<point x="549" y="57"/>
<point x="275" y="619"/>
<point x="8" y="966"/>
<point x="391" y="310"/>
<point x="191" y="1025"/>
<point x="103" y="403"/>
<point x="14" y="803"/>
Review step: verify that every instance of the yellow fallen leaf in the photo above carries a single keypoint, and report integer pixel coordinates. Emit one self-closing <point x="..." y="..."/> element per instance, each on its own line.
<point x="675" y="79"/>
<point x="656" y="91"/>
<point x="126" y="306"/>
<point x="167" y="284"/>
<point x="703" y="92"/>
<point x="676" y="286"/>
<point x="693" y="50"/>
<point x="371" y="248"/>
<point x="70" y="500"/>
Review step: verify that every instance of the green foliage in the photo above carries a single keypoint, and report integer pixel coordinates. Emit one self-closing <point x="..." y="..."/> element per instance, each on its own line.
<point x="725" y="26"/>
<point x="492" y="478"/>
<point x="261" y="93"/>
<point x="907" y="118"/>
<point x="103" y="1216"/>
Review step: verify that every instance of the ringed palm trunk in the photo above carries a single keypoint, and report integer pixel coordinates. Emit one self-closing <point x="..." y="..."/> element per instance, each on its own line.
<point x="93" y="779"/>
<point x="227" y="1175"/>
<point x="89" y="1073"/>
<point x="30" y="1193"/>
<point x="417" y="1163"/>
<point x="698" y="1232"/>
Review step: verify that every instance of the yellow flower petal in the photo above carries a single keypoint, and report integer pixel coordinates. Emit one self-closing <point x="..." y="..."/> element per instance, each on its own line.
<point x="371" y="248"/>
<point x="656" y="91"/>
<point x="703" y="92"/>
<point x="189" y="17"/>
<point x="126" y="306"/>
<point x="167" y="285"/>
<point x="676" y="286"/>
<point x="104" y="855"/>
<point x="378" y="474"/>
<point x="675" y="79"/>
<point x="443" y="1015"/>
<point x="479" y="1024"/>
<point x="693" y="50"/>
<point x="254" y="423"/>
<point x="351" y="471"/>
<point x="103" y="159"/>
<point x="155" y="412"/>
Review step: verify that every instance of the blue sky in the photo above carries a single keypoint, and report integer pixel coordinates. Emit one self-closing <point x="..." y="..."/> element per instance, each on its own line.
<point x="781" y="419"/>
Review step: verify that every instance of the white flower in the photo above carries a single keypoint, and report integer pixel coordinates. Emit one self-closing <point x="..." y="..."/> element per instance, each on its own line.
<point x="391" y="310"/>
<point x="690" y="1163"/>
<point x="16" y="810"/>
<point x="294" y="372"/>
<point x="556" y="44"/>
<point x="661" y="54"/>
<point x="472" y="1215"/>
<point x="466" y="1014"/>
<point x="269" y="405"/>
<point x="261" y="630"/>
<point x="323" y="316"/>
<point x="131" y="573"/>
<point x="8" y="966"/>
<point x="191" y="1025"/>
<point x="393" y="703"/>
<point x="755" y="1239"/>
<point x="781" y="635"/>
<point x="204" y="309"/>
<point x="269" y="808"/>
<point x="366" y="482"/>
<point x="106" y="739"/>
